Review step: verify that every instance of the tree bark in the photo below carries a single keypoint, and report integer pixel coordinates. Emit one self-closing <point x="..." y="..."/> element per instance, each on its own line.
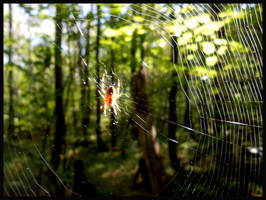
<point x="172" y="111"/>
<point x="83" y="83"/>
<point x="147" y="131"/>
<point x="59" y="113"/>
<point x="86" y="71"/>
<point x="70" y="77"/>
<point x="133" y="52"/>
<point x="187" y="115"/>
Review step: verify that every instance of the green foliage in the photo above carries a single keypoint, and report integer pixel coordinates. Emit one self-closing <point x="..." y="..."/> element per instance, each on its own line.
<point x="203" y="71"/>
<point x="200" y="65"/>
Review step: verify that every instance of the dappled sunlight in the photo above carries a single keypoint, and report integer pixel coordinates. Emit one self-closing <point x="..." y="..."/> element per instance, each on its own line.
<point x="124" y="100"/>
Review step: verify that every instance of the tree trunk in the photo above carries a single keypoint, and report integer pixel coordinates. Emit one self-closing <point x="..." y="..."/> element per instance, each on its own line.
<point x="187" y="116"/>
<point x="101" y="145"/>
<point x="70" y="77"/>
<point x="172" y="111"/>
<point x="59" y="114"/>
<point x="146" y="131"/>
<point x="73" y="106"/>
<point x="133" y="62"/>
<point x="133" y="52"/>
<point x="10" y="78"/>
<point x="86" y="71"/>
<point x="83" y="83"/>
<point x="142" y="50"/>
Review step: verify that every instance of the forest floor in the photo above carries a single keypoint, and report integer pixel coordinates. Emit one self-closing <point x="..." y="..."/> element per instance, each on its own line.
<point x="113" y="174"/>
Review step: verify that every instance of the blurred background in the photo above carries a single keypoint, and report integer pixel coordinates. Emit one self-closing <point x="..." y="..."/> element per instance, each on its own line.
<point x="189" y="114"/>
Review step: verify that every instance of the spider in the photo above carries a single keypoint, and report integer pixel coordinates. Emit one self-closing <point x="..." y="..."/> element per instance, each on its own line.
<point x="110" y="95"/>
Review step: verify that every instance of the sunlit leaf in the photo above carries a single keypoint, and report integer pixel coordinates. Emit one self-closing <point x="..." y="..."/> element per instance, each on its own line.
<point x="230" y="67"/>
<point x="191" y="23"/>
<point x="127" y="30"/>
<point x="190" y="57"/>
<point x="204" y="72"/>
<point x="141" y="31"/>
<point x="205" y="18"/>
<point x="209" y="28"/>
<point x="174" y="30"/>
<point x="231" y="13"/>
<point x="222" y="50"/>
<point x="110" y="32"/>
<point x="238" y="47"/>
<point x="127" y="38"/>
<point x="106" y="42"/>
<point x="192" y="47"/>
<point x="208" y="47"/>
<point x="138" y="19"/>
<point x="161" y="42"/>
<point x="115" y="9"/>
<point x="211" y="61"/>
<point x="181" y="41"/>
<point x="220" y="41"/>
<point x="198" y="38"/>
<point x="187" y="36"/>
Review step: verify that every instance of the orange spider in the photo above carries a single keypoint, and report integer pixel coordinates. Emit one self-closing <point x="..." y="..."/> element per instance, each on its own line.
<point x="110" y="96"/>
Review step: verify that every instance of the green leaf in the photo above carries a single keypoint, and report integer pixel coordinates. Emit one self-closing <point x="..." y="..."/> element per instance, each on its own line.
<point x="141" y="31"/>
<point x="236" y="46"/>
<point x="127" y="30"/>
<point x="187" y="36"/>
<point x="211" y="61"/>
<point x="220" y="41"/>
<point x="198" y="38"/>
<point x="230" y="67"/>
<point x="209" y="28"/>
<point x="203" y="72"/>
<point x="161" y="42"/>
<point x="205" y="18"/>
<point x="184" y="39"/>
<point x="190" y="57"/>
<point x="208" y="47"/>
<point x="115" y="9"/>
<point x="138" y="19"/>
<point x="222" y="50"/>
<point x="43" y="16"/>
<point x="232" y="13"/>
<point x="192" y="47"/>
<point x="110" y="32"/>
<point x="174" y="30"/>
<point x="191" y="23"/>
<point x="106" y="42"/>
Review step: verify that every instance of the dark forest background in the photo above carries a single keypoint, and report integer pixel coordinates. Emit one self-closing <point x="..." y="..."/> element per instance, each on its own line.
<point x="190" y="119"/>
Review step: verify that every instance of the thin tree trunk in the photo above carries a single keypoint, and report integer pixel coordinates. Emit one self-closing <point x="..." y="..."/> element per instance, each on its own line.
<point x="172" y="110"/>
<point x="147" y="131"/>
<point x="83" y="82"/>
<point x="70" y="77"/>
<point x="10" y="78"/>
<point x="100" y="143"/>
<point x="187" y="115"/>
<point x="142" y="50"/>
<point x="73" y="106"/>
<point x="86" y="71"/>
<point x="133" y="52"/>
<point x="59" y="114"/>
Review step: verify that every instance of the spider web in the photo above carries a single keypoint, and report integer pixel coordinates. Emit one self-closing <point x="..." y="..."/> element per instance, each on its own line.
<point x="225" y="101"/>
